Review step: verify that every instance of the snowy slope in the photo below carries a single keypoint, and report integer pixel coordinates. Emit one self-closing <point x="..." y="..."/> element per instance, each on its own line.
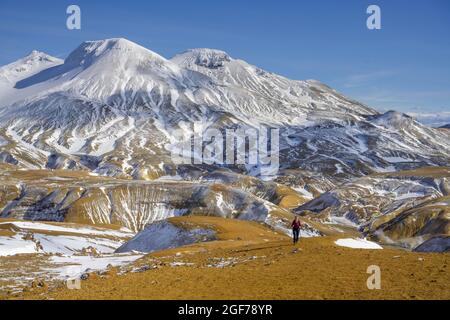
<point x="33" y="237"/>
<point x="273" y="96"/>
<point x="21" y="69"/>
<point x="112" y="108"/>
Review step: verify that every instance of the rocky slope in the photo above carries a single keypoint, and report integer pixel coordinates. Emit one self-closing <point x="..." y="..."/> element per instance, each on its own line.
<point x="404" y="208"/>
<point x="79" y="197"/>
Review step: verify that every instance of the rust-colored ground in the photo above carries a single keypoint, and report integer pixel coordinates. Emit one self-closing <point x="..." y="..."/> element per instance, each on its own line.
<point x="260" y="264"/>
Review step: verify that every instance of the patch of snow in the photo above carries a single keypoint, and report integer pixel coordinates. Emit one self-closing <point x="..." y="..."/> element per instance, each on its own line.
<point x="84" y="230"/>
<point x="357" y="244"/>
<point x="170" y="178"/>
<point x="338" y="168"/>
<point x="396" y="159"/>
<point x="75" y="266"/>
<point x="304" y="192"/>
<point x="341" y="221"/>
<point x="10" y="246"/>
<point x="70" y="245"/>
<point x="409" y="195"/>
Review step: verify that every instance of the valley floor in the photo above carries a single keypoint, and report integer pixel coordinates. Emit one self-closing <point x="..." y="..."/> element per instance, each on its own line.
<point x="250" y="261"/>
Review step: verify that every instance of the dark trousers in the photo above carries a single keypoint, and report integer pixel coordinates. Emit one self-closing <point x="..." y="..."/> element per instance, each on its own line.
<point x="295" y="234"/>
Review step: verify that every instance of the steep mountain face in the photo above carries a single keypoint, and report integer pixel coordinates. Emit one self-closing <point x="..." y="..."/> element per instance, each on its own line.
<point x="112" y="108"/>
<point x="265" y="95"/>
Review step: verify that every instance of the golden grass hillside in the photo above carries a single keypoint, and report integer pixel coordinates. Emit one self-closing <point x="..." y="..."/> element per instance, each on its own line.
<point x="251" y="261"/>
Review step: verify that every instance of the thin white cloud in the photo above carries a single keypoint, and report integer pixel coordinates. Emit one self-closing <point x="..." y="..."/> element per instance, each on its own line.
<point x="363" y="79"/>
<point x="433" y="119"/>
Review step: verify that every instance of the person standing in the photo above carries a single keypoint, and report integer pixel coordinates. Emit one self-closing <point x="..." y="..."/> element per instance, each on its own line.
<point x="296" y="225"/>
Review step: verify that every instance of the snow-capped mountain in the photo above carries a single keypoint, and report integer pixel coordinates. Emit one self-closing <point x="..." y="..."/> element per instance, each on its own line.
<point x="111" y="108"/>
<point x="112" y="105"/>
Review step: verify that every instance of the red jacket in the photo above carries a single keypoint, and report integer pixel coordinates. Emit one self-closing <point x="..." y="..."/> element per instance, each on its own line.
<point x="296" y="224"/>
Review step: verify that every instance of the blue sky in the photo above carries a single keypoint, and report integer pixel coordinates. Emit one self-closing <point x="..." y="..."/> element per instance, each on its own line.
<point x="404" y="66"/>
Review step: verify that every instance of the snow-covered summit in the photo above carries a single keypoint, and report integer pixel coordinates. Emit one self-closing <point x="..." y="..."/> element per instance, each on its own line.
<point x="104" y="69"/>
<point x="204" y="57"/>
<point x="393" y="119"/>
<point x="27" y="66"/>
<point x="118" y="49"/>
<point x="35" y="58"/>
<point x="24" y="68"/>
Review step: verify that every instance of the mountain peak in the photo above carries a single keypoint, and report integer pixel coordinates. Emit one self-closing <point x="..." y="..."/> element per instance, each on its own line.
<point x="89" y="51"/>
<point x="116" y="43"/>
<point x="32" y="63"/>
<point x="36" y="53"/>
<point x="35" y="57"/>
<point x="204" y="57"/>
<point x="393" y="118"/>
